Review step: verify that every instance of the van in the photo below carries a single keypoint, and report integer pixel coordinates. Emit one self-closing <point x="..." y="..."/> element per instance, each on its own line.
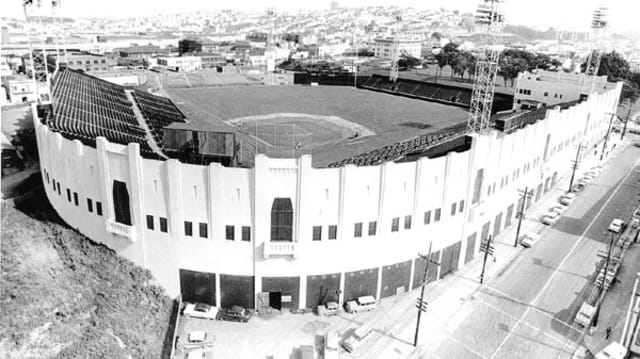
<point x="356" y="338"/>
<point x="361" y="304"/>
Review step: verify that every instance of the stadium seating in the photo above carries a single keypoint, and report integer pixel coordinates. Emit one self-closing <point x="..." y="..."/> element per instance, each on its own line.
<point x="85" y="107"/>
<point x="158" y="112"/>
<point x="427" y="91"/>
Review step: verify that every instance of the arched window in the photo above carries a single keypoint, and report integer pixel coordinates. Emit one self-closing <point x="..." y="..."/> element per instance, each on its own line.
<point x="281" y="220"/>
<point x="121" y="203"/>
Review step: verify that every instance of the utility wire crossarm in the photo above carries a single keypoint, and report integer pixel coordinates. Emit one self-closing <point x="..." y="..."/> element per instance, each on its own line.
<point x="490" y="18"/>
<point x="421" y="304"/>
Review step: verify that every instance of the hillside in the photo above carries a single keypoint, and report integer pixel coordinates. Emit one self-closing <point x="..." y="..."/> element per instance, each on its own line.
<point x="64" y="296"/>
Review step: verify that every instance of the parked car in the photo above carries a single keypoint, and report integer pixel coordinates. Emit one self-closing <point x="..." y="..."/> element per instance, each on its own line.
<point x="558" y="209"/>
<point x="235" y="314"/>
<point x="551" y="218"/>
<point x="614" y="350"/>
<point x="329" y="309"/>
<point x="361" y="304"/>
<point x="567" y="199"/>
<point x="578" y="187"/>
<point x="616" y="226"/>
<point x="331" y="340"/>
<point x="195" y="340"/>
<point x="200" y="310"/>
<point x="529" y="239"/>
<point x="199" y="354"/>
<point x="356" y="338"/>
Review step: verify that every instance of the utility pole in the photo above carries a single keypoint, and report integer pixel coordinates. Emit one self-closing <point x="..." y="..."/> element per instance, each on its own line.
<point x="487" y="248"/>
<point x="604" y="279"/>
<point x="624" y="129"/>
<point x="520" y="214"/>
<point x="623" y="339"/>
<point x="575" y="166"/>
<point x="606" y="136"/>
<point x="421" y="304"/>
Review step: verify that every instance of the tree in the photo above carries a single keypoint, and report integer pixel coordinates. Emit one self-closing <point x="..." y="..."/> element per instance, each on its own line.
<point x="612" y="65"/>
<point x="408" y="61"/>
<point x="437" y="36"/>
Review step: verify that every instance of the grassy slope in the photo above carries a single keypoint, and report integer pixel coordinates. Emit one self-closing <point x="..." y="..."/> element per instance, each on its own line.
<point x="64" y="296"/>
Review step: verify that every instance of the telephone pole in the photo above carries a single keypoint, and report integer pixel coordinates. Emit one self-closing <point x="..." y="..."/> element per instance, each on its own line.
<point x="520" y="214"/>
<point x="421" y="304"/>
<point x="575" y="166"/>
<point x="486" y="247"/>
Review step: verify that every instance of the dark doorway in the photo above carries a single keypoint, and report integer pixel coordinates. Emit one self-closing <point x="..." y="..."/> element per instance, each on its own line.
<point x="509" y="217"/>
<point x="275" y="300"/>
<point x="450" y="257"/>
<point x="281" y="220"/>
<point x="471" y="245"/>
<point x="121" y="203"/>
<point x="198" y="287"/>
<point x="497" y="224"/>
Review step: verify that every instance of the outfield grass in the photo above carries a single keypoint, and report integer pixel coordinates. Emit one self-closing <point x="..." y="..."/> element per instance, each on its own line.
<point x="392" y="118"/>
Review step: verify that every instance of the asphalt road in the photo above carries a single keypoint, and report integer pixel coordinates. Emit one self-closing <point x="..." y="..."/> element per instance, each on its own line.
<point x="527" y="311"/>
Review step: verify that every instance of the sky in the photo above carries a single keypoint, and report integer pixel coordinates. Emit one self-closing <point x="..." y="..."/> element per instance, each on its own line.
<point x="563" y="14"/>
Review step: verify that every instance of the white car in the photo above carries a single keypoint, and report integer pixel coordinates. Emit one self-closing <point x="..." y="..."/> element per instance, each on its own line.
<point x="200" y="310"/>
<point x="331" y="342"/>
<point x="357" y="338"/>
<point x="366" y="302"/>
<point x="529" y="239"/>
<point x="567" y="199"/>
<point x="196" y="340"/>
<point x="616" y="225"/>
<point x="551" y="218"/>
<point x="558" y="209"/>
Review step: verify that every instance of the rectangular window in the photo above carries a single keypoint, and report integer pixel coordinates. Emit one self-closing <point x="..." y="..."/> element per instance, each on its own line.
<point x="54" y="184"/>
<point x="188" y="228"/>
<point x="317" y="233"/>
<point x="357" y="230"/>
<point x="407" y="222"/>
<point x="427" y="217"/>
<point x="229" y="232"/>
<point x="203" y="230"/>
<point x="333" y="232"/>
<point x="461" y="206"/>
<point x="89" y="205"/>
<point x="68" y="195"/>
<point x="59" y="191"/>
<point x="75" y="198"/>
<point x="149" y="222"/>
<point x="395" y="223"/>
<point x="246" y="234"/>
<point x="373" y="226"/>
<point x="437" y="215"/>
<point x="453" y="208"/>
<point x="163" y="225"/>
<point x="99" y="208"/>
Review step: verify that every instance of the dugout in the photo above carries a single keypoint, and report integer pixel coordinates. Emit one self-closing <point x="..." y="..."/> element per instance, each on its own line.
<point x="200" y="146"/>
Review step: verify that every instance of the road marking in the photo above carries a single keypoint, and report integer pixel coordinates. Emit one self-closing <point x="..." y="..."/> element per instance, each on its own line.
<point x="564" y="260"/>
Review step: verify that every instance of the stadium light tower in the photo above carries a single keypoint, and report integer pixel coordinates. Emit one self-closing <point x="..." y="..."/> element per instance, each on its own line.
<point x="599" y="24"/>
<point x="59" y="32"/>
<point x="491" y="18"/>
<point x="395" y="54"/>
<point x="33" y="13"/>
<point x="269" y="51"/>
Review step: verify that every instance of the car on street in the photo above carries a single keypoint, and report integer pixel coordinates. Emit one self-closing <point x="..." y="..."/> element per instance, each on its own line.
<point x="195" y="340"/>
<point x="329" y="309"/>
<point x="199" y="354"/>
<point x="567" y="199"/>
<point x="356" y="338"/>
<point x="200" y="310"/>
<point x="529" y="239"/>
<point x="331" y="342"/>
<point x="234" y="314"/>
<point x="361" y="304"/>
<point x="551" y="218"/>
<point x="616" y="226"/>
<point x="578" y="186"/>
<point x="558" y="209"/>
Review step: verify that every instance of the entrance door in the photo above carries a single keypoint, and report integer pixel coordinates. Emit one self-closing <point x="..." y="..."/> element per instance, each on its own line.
<point x="509" y="217"/>
<point x="471" y="245"/>
<point x="275" y="300"/>
<point x="496" y="224"/>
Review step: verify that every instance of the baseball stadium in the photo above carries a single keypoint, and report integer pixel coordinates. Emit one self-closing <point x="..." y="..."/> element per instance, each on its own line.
<point x="300" y="194"/>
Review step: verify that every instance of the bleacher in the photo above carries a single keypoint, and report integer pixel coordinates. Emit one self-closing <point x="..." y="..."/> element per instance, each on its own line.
<point x="399" y="150"/>
<point x="421" y="90"/>
<point x="158" y="112"/>
<point x="85" y="107"/>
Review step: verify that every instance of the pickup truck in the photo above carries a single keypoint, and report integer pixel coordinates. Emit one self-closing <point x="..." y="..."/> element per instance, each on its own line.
<point x="195" y="340"/>
<point x="366" y="302"/>
<point x="329" y="309"/>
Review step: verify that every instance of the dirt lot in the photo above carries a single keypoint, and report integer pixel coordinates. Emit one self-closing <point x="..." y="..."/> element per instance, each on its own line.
<point x="64" y="296"/>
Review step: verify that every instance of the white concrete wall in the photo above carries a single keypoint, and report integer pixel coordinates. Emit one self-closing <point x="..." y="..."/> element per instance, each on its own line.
<point x="220" y="196"/>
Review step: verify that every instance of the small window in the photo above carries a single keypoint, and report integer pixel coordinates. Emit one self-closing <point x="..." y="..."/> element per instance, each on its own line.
<point x="59" y="191"/>
<point x="333" y="232"/>
<point x="427" y="217"/>
<point x="229" y="232"/>
<point x="68" y="195"/>
<point x="357" y="230"/>
<point x="54" y="184"/>
<point x="546" y="94"/>
<point x="149" y="222"/>
<point x="461" y="206"/>
<point x="203" y="230"/>
<point x="373" y="226"/>
<point x="407" y="222"/>
<point x="46" y="174"/>
<point x="75" y="198"/>
<point x="453" y="208"/>
<point x="89" y="205"/>
<point x="188" y="228"/>
<point x="437" y="215"/>
<point x="163" y="225"/>
<point x="395" y="223"/>
<point x="317" y="233"/>
<point x="246" y="234"/>
<point x="99" y="208"/>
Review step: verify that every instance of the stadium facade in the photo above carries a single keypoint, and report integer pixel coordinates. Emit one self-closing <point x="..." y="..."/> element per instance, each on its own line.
<point x="305" y="235"/>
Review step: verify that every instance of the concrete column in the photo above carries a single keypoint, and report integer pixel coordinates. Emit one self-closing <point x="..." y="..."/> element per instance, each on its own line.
<point x="341" y="292"/>
<point x="218" y="294"/>
<point x="416" y="194"/>
<point x="174" y="203"/>
<point x="302" y="296"/>
<point x="412" y="270"/>
<point x="341" y="195"/>
<point x="104" y="178"/>
<point x="379" y="284"/>
<point x="382" y="227"/>
<point x="215" y="185"/>
<point x="137" y="196"/>
<point x="261" y="218"/>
